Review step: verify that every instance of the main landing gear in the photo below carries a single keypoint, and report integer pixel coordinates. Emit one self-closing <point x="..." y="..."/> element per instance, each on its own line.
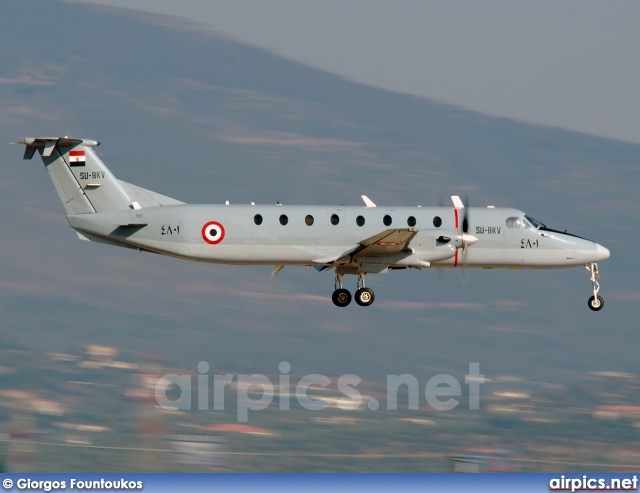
<point x="596" y="303"/>
<point x="341" y="297"/>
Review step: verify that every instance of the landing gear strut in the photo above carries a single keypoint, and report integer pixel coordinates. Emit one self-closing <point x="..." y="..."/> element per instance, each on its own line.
<point x="364" y="296"/>
<point x="596" y="303"/>
<point x="340" y="297"/>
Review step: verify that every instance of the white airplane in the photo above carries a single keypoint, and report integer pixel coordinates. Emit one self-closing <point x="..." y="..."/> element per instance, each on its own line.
<point x="353" y="240"/>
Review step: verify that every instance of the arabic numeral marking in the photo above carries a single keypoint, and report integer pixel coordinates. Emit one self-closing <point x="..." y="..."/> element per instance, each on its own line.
<point x="529" y="244"/>
<point x="167" y="229"/>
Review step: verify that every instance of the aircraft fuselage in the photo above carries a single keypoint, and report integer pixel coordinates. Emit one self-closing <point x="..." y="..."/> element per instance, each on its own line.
<point x="283" y="236"/>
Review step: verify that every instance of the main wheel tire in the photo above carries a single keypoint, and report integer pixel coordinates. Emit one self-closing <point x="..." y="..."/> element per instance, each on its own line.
<point x="596" y="304"/>
<point x="364" y="296"/>
<point x="341" y="297"/>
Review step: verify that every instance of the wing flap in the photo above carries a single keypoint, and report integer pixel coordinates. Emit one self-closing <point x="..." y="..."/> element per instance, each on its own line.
<point x="334" y="257"/>
<point x="388" y="242"/>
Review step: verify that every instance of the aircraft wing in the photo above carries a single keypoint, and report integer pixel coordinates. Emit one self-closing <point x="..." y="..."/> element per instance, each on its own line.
<point x="388" y="242"/>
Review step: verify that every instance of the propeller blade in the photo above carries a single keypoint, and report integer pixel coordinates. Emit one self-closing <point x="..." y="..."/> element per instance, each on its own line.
<point x="465" y="212"/>
<point x="462" y="216"/>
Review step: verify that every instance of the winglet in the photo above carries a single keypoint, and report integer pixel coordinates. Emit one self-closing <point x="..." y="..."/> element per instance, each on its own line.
<point x="367" y="201"/>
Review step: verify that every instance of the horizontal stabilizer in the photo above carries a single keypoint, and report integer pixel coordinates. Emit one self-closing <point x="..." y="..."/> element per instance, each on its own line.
<point x="48" y="144"/>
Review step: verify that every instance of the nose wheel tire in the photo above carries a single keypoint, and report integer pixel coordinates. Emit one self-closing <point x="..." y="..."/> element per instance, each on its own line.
<point x="364" y="296"/>
<point x="596" y="304"/>
<point x="341" y="297"/>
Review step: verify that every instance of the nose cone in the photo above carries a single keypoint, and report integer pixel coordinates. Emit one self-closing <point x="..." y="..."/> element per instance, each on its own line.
<point x="588" y="251"/>
<point x="601" y="253"/>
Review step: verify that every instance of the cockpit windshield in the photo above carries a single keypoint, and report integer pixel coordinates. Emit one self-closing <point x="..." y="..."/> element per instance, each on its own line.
<point x="533" y="223"/>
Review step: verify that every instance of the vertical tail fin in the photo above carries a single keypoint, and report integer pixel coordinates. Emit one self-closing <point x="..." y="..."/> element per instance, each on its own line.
<point x="82" y="181"/>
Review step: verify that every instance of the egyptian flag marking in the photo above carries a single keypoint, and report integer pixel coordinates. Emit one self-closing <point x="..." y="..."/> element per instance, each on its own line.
<point x="77" y="158"/>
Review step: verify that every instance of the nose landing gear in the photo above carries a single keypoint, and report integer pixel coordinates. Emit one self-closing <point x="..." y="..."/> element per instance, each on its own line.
<point x="596" y="303"/>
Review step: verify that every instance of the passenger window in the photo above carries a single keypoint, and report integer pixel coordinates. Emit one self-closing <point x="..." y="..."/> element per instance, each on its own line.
<point x="411" y="221"/>
<point x="437" y="222"/>
<point x="308" y="220"/>
<point x="387" y="220"/>
<point x="257" y="219"/>
<point x="514" y="222"/>
<point x="335" y="219"/>
<point x="360" y="221"/>
<point x="284" y="219"/>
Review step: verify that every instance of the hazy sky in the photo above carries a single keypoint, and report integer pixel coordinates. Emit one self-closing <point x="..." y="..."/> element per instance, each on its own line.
<point x="572" y="64"/>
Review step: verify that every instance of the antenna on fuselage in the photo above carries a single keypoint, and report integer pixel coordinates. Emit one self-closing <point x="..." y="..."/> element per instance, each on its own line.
<point x="367" y="201"/>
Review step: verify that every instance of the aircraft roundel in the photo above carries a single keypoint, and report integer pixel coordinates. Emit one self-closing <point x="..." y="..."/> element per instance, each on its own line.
<point x="213" y="232"/>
